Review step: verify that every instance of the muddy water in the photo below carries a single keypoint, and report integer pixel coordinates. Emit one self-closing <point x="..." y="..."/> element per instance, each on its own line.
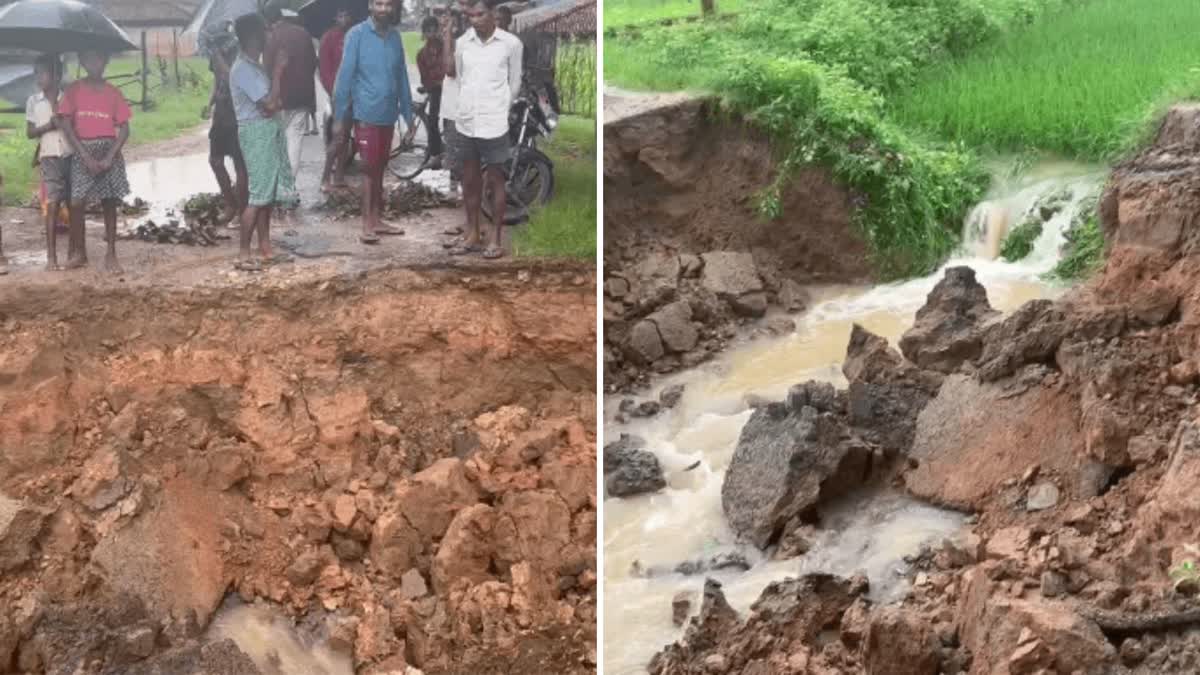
<point x="869" y="532"/>
<point x="274" y="644"/>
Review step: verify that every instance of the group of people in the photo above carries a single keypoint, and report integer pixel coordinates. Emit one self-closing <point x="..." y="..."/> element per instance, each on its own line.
<point x="264" y="93"/>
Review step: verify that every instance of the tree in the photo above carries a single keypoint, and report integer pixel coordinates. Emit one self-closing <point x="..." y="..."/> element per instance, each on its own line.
<point x="708" y="7"/>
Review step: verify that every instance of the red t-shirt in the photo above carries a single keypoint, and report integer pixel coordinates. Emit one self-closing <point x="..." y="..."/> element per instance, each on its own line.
<point x="332" y="46"/>
<point x="95" y="112"/>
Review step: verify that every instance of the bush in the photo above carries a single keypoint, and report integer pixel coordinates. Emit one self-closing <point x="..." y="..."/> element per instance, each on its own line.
<point x="1085" y="251"/>
<point x="1018" y="243"/>
<point x="817" y="74"/>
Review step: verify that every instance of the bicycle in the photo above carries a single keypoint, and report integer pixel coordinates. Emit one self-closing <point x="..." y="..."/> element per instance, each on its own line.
<point x="410" y="153"/>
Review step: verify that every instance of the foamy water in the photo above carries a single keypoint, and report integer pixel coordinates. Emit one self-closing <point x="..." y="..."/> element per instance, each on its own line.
<point x="871" y="533"/>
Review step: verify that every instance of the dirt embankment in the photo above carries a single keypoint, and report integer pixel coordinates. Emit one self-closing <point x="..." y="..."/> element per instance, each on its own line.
<point x="404" y="460"/>
<point x="1070" y="428"/>
<point x="687" y="255"/>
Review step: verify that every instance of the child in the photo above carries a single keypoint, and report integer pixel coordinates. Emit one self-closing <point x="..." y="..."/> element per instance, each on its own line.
<point x="95" y="118"/>
<point x="53" y="153"/>
<point x="263" y="144"/>
<point x="431" y="62"/>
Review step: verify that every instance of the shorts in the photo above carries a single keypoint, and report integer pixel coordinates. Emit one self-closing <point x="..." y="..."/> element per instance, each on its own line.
<point x="489" y="152"/>
<point x="223" y="142"/>
<point x="374" y="145"/>
<point x="56" y="176"/>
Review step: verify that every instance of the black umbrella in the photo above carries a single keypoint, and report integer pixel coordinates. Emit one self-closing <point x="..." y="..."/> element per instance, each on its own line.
<point x="318" y="15"/>
<point x="58" y="26"/>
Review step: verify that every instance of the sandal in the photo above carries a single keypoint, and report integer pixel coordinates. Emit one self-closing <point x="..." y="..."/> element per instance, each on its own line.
<point x="388" y="231"/>
<point x="493" y="253"/>
<point x="368" y="239"/>
<point x="466" y="249"/>
<point x="248" y="266"/>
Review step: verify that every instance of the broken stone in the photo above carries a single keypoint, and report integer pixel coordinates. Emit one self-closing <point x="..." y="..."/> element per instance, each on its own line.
<point x="675" y="329"/>
<point x="103" y="481"/>
<point x="671" y="396"/>
<point x="1041" y="496"/>
<point x="412" y="585"/>
<point x="948" y="330"/>
<point x="631" y="470"/>
<point x="792" y="296"/>
<point x="20" y="526"/>
<point x="645" y="343"/>
<point x="344" y="511"/>
<point x="681" y="606"/>
<point x="305" y="569"/>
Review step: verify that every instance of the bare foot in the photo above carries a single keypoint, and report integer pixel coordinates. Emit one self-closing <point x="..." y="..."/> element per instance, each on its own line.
<point x="76" y="263"/>
<point x="111" y="264"/>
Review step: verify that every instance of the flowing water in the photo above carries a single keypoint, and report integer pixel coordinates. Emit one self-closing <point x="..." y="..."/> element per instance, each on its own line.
<point x="274" y="644"/>
<point x="867" y="532"/>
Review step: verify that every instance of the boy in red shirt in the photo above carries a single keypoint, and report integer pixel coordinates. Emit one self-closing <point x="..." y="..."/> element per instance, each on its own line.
<point x="96" y="121"/>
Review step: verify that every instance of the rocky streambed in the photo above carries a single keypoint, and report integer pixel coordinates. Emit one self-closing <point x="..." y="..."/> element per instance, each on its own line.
<point x="1064" y="429"/>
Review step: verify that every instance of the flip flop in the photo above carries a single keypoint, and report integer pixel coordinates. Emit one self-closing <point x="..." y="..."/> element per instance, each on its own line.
<point x="389" y="231"/>
<point x="248" y="266"/>
<point x="466" y="249"/>
<point x="368" y="239"/>
<point x="493" y="253"/>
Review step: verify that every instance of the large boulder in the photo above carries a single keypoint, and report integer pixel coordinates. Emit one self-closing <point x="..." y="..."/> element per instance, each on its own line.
<point x="898" y="642"/>
<point x="1000" y="432"/>
<point x="20" y="525"/>
<point x="1030" y="335"/>
<point x="787" y="620"/>
<point x="734" y="278"/>
<point x="886" y="393"/>
<point x="948" y="329"/>
<point x="1150" y="201"/>
<point x="630" y="469"/>
<point x="674" y="324"/>
<point x="1023" y="637"/>
<point x="787" y="461"/>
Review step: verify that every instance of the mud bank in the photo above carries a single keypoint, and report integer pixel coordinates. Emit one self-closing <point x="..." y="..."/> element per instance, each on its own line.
<point x="403" y="462"/>
<point x="1067" y="428"/>
<point x="687" y="254"/>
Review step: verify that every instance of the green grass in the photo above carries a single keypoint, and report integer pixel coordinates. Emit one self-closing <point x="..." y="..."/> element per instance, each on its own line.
<point x="412" y="44"/>
<point x="176" y="109"/>
<point x="618" y="13"/>
<point x="1081" y="82"/>
<point x="1085" y="252"/>
<point x="566" y="227"/>
<point x="1018" y="243"/>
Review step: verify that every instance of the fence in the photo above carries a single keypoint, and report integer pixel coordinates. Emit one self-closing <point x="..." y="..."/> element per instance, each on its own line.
<point x="562" y="40"/>
<point x="155" y="69"/>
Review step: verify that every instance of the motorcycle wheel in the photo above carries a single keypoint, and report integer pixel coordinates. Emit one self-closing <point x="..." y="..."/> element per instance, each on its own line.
<point x="530" y="184"/>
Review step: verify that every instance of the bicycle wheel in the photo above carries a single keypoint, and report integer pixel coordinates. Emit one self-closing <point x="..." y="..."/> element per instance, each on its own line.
<point x="530" y="184"/>
<point x="410" y="158"/>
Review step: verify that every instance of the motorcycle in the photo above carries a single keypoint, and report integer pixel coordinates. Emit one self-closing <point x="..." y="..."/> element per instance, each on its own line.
<point x="530" y="172"/>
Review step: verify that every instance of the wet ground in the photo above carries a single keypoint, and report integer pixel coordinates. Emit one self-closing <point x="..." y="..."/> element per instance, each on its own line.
<point x="165" y="174"/>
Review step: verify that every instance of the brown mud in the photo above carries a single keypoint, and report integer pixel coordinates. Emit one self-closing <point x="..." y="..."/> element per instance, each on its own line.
<point x="1070" y="429"/>
<point x="682" y="180"/>
<point x="401" y="460"/>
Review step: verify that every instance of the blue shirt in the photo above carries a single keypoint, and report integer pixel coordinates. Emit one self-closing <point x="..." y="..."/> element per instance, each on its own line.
<point x="374" y="77"/>
<point x="248" y="84"/>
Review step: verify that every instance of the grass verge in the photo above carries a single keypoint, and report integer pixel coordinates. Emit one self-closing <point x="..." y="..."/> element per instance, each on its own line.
<point x="566" y="227"/>
<point x="1085" y="252"/>
<point x="1082" y="82"/>
<point x="618" y="13"/>
<point x="176" y="109"/>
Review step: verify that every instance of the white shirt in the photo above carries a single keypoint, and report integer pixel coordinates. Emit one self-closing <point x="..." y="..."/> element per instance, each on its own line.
<point x="449" y="110"/>
<point x="489" y="79"/>
<point x="40" y="111"/>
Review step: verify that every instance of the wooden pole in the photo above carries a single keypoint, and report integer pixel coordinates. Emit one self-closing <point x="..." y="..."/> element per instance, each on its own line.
<point x="175" y="55"/>
<point x="145" y="76"/>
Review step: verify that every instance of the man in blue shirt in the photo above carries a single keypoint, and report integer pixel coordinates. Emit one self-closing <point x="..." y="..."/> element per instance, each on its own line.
<point x="373" y="83"/>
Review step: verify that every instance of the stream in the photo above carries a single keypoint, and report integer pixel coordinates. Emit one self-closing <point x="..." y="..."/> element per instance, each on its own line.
<point x="871" y="533"/>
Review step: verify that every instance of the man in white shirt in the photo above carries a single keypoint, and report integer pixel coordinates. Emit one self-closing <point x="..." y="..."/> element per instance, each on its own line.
<point x="487" y="65"/>
<point x="54" y="152"/>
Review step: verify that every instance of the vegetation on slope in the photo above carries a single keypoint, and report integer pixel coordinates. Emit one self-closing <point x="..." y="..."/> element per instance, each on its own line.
<point x="817" y="74"/>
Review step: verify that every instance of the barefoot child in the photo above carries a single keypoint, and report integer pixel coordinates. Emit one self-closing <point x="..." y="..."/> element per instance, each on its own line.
<point x="95" y="118"/>
<point x="262" y="140"/>
<point x="54" y="153"/>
